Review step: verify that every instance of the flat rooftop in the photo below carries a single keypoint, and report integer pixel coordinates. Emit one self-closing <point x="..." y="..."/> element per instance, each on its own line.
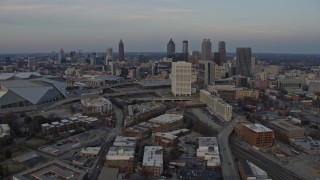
<point x="166" y="118"/>
<point x="120" y="153"/>
<point x="90" y="150"/>
<point x="54" y="170"/>
<point x="95" y="102"/>
<point x="258" y="128"/>
<point x="166" y="135"/>
<point x="152" y="83"/>
<point x="208" y="141"/>
<point x="285" y="125"/>
<point x="125" y="141"/>
<point x="153" y="156"/>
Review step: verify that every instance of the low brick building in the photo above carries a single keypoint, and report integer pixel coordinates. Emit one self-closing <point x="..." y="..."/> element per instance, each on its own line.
<point x="255" y="134"/>
<point x="165" y="139"/>
<point x="286" y="131"/>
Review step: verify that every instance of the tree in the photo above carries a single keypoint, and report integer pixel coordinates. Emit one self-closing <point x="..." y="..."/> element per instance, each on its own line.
<point x="11" y="119"/>
<point x="40" y="119"/>
<point x="3" y="171"/>
<point x="27" y="120"/>
<point x="8" y="154"/>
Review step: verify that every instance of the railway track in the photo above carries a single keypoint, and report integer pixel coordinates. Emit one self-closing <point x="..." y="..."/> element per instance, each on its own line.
<point x="273" y="169"/>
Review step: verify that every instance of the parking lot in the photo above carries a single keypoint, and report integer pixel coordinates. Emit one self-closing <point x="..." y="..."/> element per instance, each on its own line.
<point x="196" y="170"/>
<point x="214" y="118"/>
<point x="188" y="147"/>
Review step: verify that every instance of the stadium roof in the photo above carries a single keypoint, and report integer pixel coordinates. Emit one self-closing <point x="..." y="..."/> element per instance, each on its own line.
<point x="29" y="90"/>
<point x="33" y="90"/>
<point x="19" y="75"/>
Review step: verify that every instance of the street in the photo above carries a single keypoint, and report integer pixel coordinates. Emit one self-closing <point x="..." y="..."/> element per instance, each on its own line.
<point x="108" y="142"/>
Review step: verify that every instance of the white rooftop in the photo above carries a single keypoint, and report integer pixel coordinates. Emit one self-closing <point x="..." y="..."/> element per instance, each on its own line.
<point x="91" y="150"/>
<point x="120" y="153"/>
<point x="125" y="141"/>
<point x="209" y="151"/>
<point x="257" y="172"/>
<point x="258" y="128"/>
<point x="166" y="118"/>
<point x="153" y="156"/>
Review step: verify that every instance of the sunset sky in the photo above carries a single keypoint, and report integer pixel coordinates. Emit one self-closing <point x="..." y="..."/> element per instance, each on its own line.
<point x="279" y="26"/>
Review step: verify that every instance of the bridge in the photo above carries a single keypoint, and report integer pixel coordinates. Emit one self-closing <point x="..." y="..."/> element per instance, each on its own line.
<point x="163" y="99"/>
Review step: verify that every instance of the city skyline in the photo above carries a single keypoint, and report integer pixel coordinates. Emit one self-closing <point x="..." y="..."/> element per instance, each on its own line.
<point x="44" y="26"/>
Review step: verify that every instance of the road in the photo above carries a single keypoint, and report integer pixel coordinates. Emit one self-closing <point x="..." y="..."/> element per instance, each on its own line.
<point x="108" y="142"/>
<point x="228" y="167"/>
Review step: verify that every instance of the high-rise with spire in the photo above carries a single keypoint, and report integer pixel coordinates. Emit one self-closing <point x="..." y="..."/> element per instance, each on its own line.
<point x="206" y="49"/>
<point x="171" y="48"/>
<point x="121" y="51"/>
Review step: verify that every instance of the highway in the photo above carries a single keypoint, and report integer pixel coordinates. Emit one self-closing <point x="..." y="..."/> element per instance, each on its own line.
<point x="228" y="167"/>
<point x="273" y="169"/>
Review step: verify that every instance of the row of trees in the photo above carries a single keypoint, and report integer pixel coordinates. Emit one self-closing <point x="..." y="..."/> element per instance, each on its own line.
<point x="34" y="124"/>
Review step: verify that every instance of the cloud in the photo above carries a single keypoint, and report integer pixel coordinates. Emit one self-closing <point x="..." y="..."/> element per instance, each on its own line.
<point x="25" y="8"/>
<point x="145" y="17"/>
<point x="172" y="10"/>
<point x="170" y="1"/>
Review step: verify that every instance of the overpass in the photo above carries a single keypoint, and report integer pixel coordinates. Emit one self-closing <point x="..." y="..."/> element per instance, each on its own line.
<point x="163" y="99"/>
<point x="228" y="167"/>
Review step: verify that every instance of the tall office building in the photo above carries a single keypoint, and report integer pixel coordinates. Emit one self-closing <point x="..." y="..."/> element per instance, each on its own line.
<point x="121" y="51"/>
<point x="217" y="58"/>
<point x="194" y="57"/>
<point x="205" y="73"/>
<point x="206" y="49"/>
<point x="109" y="54"/>
<point x="244" y="62"/>
<point x="61" y="56"/>
<point x="222" y="52"/>
<point x="181" y="78"/>
<point x="109" y="58"/>
<point x="171" y="48"/>
<point x="32" y="63"/>
<point x="185" y="50"/>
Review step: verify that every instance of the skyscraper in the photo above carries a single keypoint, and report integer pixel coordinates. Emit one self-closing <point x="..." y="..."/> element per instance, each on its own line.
<point x="171" y="48"/>
<point x="181" y="78"/>
<point x="205" y="73"/>
<point x="222" y="52"/>
<point x="185" y="50"/>
<point x="109" y="54"/>
<point x="61" y="57"/>
<point x="206" y="49"/>
<point x="244" y="62"/>
<point x="217" y="58"/>
<point x="121" y="51"/>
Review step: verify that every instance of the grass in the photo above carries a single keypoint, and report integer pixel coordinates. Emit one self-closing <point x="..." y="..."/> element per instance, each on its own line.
<point x="35" y="142"/>
<point x="12" y="166"/>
